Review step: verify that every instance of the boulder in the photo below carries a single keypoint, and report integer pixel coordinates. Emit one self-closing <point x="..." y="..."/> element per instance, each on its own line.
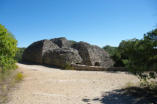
<point x="61" y="57"/>
<point x="34" y="53"/>
<point x="93" y="55"/>
<point x="62" y="42"/>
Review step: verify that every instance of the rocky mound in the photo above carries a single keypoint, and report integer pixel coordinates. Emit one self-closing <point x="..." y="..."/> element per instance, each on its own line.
<point x="61" y="52"/>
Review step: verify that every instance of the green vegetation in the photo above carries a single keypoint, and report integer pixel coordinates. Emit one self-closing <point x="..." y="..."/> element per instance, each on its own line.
<point x="115" y="55"/>
<point x="68" y="67"/>
<point x="138" y="55"/>
<point x="19" y="53"/>
<point x="7" y="49"/>
<point x="141" y="55"/>
<point x="18" y="77"/>
<point x="111" y="50"/>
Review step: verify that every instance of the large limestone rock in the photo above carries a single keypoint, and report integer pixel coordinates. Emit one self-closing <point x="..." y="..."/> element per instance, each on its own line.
<point x="61" y="57"/>
<point x="60" y="52"/>
<point x="93" y="55"/>
<point x="34" y="53"/>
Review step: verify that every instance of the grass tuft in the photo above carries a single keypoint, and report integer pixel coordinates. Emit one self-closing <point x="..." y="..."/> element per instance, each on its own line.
<point x="68" y="67"/>
<point x="18" y="77"/>
<point x="130" y="84"/>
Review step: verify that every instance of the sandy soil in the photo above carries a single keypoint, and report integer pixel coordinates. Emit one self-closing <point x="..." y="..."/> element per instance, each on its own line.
<point x="43" y="85"/>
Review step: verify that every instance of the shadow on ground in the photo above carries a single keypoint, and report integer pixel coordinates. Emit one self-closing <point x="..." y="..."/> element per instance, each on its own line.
<point x="131" y="95"/>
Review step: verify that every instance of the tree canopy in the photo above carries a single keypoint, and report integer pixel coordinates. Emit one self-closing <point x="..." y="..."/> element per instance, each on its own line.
<point x="19" y="53"/>
<point x="138" y="55"/>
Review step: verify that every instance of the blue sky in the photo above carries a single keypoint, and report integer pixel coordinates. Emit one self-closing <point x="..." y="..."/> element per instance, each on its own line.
<point x="99" y="22"/>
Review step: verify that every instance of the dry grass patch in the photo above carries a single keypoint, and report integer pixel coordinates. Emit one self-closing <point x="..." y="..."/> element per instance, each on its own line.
<point x="145" y="91"/>
<point x="7" y="81"/>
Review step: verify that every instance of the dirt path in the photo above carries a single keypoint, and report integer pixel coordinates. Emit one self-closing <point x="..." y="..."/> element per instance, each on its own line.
<point x="43" y="85"/>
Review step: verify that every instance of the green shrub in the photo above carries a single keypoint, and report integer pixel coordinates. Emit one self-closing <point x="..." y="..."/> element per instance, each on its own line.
<point x="116" y="56"/>
<point x="7" y="49"/>
<point x="110" y="49"/>
<point x="19" y="53"/>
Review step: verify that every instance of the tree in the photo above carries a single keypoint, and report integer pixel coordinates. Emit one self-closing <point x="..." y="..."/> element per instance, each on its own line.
<point x="115" y="55"/>
<point x="111" y="50"/>
<point x="151" y="39"/>
<point x="19" y="54"/>
<point x="7" y="49"/>
<point x="141" y="54"/>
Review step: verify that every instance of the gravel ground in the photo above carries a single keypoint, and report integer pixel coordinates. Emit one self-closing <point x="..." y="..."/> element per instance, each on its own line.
<point x="44" y="85"/>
